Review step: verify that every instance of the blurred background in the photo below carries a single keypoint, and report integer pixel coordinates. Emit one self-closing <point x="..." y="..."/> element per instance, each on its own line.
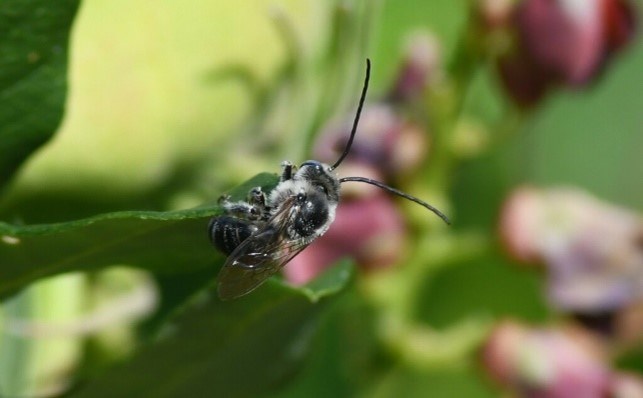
<point x="521" y="120"/>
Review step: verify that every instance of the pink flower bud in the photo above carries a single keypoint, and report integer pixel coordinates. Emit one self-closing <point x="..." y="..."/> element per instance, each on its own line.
<point x="421" y="61"/>
<point x="520" y="220"/>
<point x="546" y="363"/>
<point x="564" y="42"/>
<point x="387" y="141"/>
<point x="592" y="250"/>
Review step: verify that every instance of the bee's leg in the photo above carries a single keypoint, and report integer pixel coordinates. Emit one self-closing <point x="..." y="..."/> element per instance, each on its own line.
<point x="257" y="197"/>
<point x="223" y="200"/>
<point x="241" y="209"/>
<point x="288" y="170"/>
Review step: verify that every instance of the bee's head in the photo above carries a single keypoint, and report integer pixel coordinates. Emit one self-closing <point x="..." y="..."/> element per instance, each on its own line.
<point x="321" y="177"/>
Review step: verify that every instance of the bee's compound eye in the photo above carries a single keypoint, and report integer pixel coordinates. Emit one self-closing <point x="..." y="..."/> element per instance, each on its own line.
<point x="313" y="166"/>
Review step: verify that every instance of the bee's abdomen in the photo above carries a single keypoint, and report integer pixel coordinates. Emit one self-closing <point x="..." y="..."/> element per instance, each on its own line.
<point x="226" y="233"/>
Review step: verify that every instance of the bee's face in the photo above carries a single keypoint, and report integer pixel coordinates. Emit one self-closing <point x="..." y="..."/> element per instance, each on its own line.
<point x="320" y="177"/>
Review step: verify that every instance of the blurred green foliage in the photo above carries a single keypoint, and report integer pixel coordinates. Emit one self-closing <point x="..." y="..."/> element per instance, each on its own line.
<point x="241" y="348"/>
<point x="147" y="127"/>
<point x="33" y="82"/>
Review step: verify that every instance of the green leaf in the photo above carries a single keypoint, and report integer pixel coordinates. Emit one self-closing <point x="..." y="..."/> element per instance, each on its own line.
<point x="501" y="290"/>
<point x="346" y="355"/>
<point x="34" y="36"/>
<point x="226" y="349"/>
<point x="161" y="242"/>
<point x="328" y="283"/>
<point x="406" y="382"/>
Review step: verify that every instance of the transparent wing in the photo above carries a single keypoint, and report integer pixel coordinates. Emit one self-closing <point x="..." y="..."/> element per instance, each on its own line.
<point x="259" y="257"/>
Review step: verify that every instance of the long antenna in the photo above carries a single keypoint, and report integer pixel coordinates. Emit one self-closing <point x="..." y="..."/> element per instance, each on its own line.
<point x="399" y="193"/>
<point x="357" y="115"/>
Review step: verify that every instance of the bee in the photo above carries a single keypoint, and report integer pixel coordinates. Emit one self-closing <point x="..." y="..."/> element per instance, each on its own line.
<point x="263" y="233"/>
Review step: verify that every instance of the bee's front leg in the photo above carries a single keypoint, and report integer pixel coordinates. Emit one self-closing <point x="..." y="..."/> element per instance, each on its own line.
<point x="288" y="170"/>
<point x="257" y="197"/>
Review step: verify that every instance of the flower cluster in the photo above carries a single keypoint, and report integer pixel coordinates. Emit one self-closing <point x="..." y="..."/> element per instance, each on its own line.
<point x="554" y="42"/>
<point x="592" y="250"/>
<point x="554" y="363"/>
<point x="592" y="253"/>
